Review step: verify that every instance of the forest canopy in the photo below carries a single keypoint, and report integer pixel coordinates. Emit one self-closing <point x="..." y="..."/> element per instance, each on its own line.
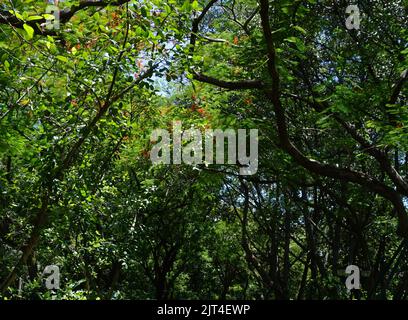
<point x="84" y="84"/>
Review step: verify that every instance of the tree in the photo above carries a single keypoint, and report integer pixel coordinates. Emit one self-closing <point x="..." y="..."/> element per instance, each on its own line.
<point x="78" y="103"/>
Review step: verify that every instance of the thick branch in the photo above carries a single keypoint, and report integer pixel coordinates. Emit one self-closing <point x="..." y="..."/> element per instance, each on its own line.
<point x="236" y="85"/>
<point x="196" y="24"/>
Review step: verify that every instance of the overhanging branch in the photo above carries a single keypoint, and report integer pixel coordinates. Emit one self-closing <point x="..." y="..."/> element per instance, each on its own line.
<point x="232" y="85"/>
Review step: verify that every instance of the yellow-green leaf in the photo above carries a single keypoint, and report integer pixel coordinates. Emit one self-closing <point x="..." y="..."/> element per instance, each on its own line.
<point x="30" y="18"/>
<point x="62" y="58"/>
<point x="29" y="30"/>
<point x="300" y="29"/>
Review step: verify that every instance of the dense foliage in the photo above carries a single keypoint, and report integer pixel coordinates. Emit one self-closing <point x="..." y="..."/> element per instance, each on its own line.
<point x="78" y="190"/>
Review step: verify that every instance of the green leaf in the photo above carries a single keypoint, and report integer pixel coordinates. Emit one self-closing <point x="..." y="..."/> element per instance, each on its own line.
<point x="48" y="16"/>
<point x="6" y="65"/>
<point x="62" y="58"/>
<point x="300" y="29"/>
<point x="29" y="30"/>
<point x="291" y="39"/>
<point x="31" y="18"/>
<point x="19" y="16"/>
<point x="186" y="6"/>
<point x="195" y="5"/>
